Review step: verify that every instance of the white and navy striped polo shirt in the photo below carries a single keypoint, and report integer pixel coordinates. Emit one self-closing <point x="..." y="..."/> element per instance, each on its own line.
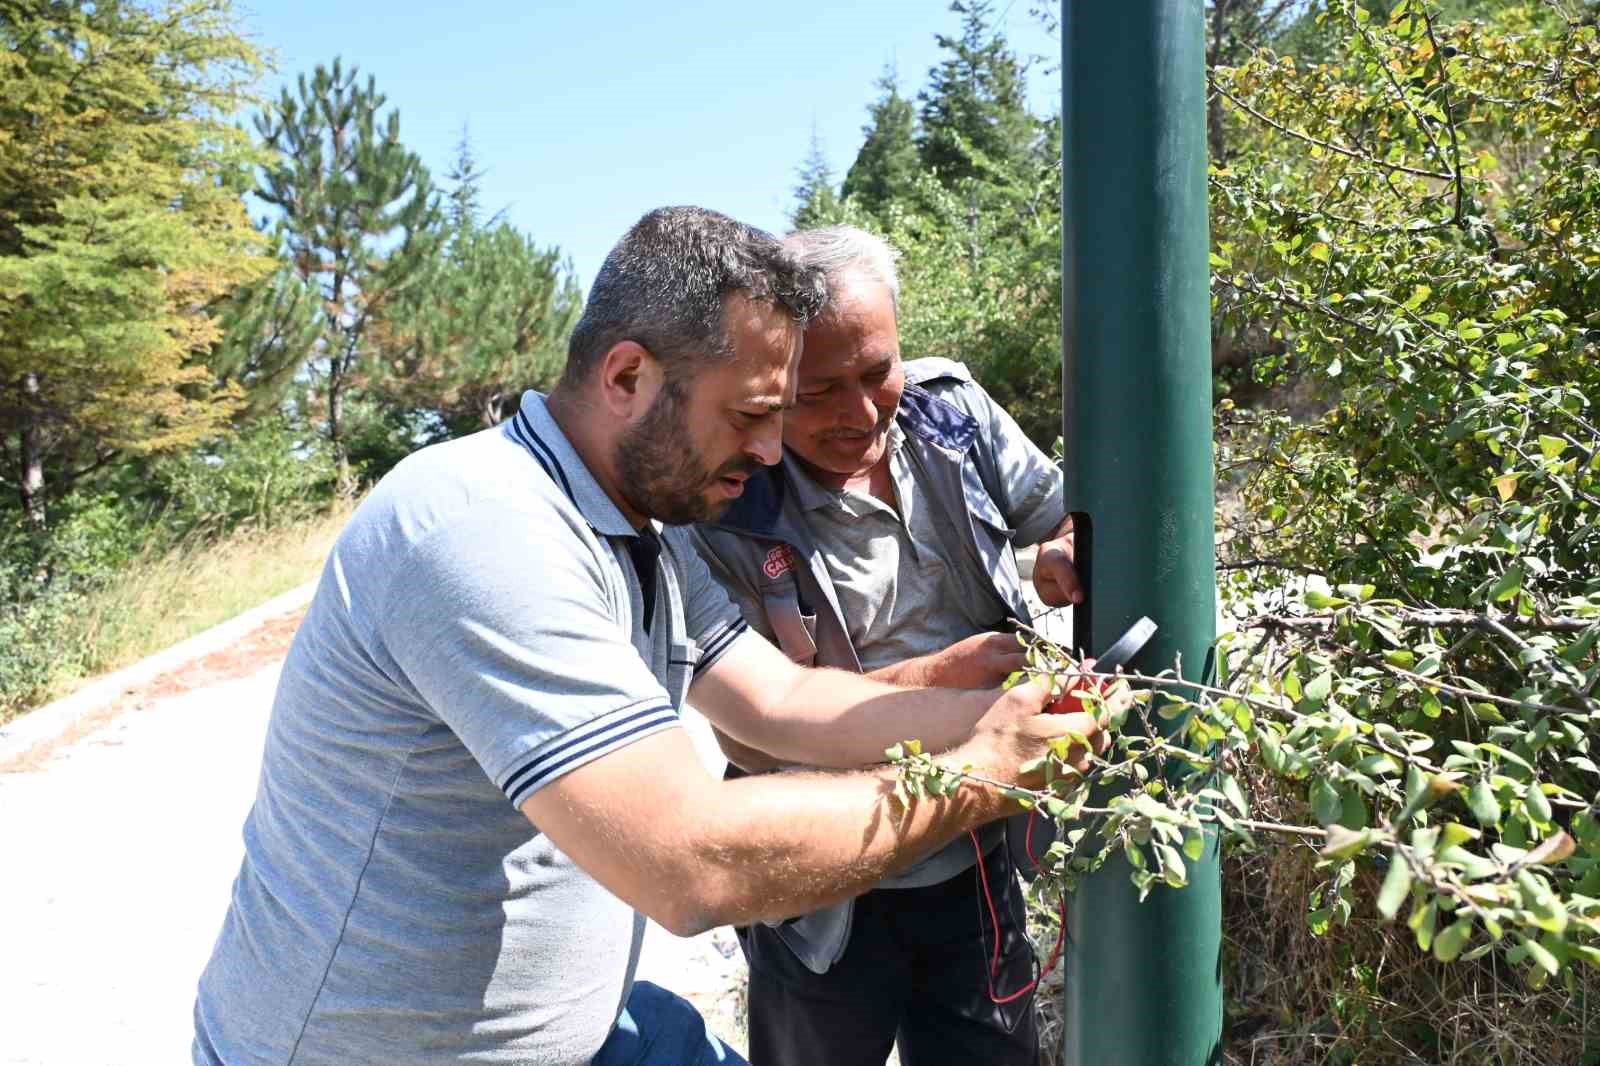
<point x="478" y="632"/>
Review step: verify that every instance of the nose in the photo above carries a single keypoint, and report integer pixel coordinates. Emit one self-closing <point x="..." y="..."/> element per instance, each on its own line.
<point x="766" y="443"/>
<point x="861" y="414"/>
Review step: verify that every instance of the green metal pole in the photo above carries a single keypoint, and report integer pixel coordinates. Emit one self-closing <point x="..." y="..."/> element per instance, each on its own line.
<point x="1143" y="980"/>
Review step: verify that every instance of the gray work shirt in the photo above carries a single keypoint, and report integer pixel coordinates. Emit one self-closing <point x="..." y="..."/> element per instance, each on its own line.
<point x="478" y="633"/>
<point x="890" y="567"/>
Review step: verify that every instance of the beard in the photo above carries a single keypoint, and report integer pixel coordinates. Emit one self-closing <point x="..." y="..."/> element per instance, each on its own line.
<point x="662" y="475"/>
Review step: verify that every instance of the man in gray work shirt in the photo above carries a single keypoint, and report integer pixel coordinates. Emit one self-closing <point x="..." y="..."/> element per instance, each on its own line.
<point x="474" y="784"/>
<point x="883" y="544"/>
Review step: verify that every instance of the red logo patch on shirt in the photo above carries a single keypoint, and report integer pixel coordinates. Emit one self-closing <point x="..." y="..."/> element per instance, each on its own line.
<point x="780" y="561"/>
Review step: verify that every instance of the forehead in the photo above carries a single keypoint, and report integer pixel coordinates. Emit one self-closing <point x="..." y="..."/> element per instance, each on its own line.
<point x="766" y="341"/>
<point x="858" y="327"/>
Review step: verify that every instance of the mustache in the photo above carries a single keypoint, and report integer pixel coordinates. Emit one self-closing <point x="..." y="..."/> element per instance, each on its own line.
<point x="857" y="434"/>
<point x="746" y="466"/>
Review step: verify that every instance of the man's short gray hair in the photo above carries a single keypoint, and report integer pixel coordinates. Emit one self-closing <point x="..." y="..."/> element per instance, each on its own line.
<point x="840" y="252"/>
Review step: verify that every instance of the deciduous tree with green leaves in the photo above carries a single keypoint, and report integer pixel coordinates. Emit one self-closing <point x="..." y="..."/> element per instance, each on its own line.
<point x="121" y="223"/>
<point x="1411" y="582"/>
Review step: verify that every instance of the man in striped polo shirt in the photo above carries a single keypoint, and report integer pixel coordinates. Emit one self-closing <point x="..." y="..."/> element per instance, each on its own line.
<point x="474" y="785"/>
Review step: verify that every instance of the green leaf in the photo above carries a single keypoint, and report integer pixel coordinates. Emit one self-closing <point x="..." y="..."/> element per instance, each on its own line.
<point x="1587" y="829"/>
<point x="1343" y="843"/>
<point x="1319" y="252"/>
<point x="1422" y="923"/>
<point x="1325" y="801"/>
<point x="1483" y="804"/>
<point x="1271" y="752"/>
<point x="1448" y="944"/>
<point x="1230" y="789"/>
<point x="1551" y="447"/>
<point x="1509" y="584"/>
<point x="1317" y="691"/>
<point x="1538" y="804"/>
<point x="1173" y="869"/>
<point x="1541" y="957"/>
<point x="1396" y="887"/>
<point x="1194" y="844"/>
<point x="1416" y="793"/>
<point x="1353" y="808"/>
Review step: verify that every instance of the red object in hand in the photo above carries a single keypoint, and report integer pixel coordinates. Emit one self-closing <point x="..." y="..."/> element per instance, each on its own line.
<point x="1072" y="701"/>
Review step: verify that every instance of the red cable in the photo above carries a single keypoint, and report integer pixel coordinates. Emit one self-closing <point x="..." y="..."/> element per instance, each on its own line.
<point x="994" y="921"/>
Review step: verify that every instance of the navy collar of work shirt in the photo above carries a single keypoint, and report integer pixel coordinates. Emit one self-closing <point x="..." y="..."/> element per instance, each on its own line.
<point x="534" y="428"/>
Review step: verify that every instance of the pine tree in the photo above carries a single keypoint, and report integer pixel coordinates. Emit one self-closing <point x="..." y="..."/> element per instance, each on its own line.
<point x="975" y="103"/>
<point x="359" y="219"/>
<point x="489" y="317"/>
<point x="886" y="167"/>
<point x="269" y="330"/>
<point x="122" y="221"/>
<point x="816" y="203"/>
<point x="465" y="179"/>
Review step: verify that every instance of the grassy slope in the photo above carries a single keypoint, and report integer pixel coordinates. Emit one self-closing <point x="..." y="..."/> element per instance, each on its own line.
<point x="165" y="599"/>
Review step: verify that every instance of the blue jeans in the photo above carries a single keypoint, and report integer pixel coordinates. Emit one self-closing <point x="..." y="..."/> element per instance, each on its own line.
<point x="659" y="1028"/>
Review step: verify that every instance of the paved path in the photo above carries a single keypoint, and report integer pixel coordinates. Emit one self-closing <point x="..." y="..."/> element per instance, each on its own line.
<point x="119" y="852"/>
<point x="118" y="848"/>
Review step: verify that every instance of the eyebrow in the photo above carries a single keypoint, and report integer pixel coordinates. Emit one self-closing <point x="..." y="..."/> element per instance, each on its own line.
<point x="880" y="364"/>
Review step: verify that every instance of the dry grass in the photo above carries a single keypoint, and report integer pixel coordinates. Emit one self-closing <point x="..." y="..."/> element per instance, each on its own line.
<point x="1364" y="993"/>
<point x="161" y="600"/>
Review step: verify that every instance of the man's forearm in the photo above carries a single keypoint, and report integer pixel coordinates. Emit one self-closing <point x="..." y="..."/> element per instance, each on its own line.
<point x="909" y="673"/>
<point x="755" y="859"/>
<point x="835" y="718"/>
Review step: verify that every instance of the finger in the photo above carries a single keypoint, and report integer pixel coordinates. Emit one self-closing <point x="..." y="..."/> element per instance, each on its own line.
<point x="1055" y="579"/>
<point x="1048" y="726"/>
<point x="1001" y="643"/>
<point x="1011" y="661"/>
<point x="1030" y="696"/>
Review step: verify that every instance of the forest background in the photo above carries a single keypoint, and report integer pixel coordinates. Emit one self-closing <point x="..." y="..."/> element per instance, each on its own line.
<point x="1405" y="347"/>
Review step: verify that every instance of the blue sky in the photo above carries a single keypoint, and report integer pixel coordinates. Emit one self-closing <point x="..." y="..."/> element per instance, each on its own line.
<point x="588" y="115"/>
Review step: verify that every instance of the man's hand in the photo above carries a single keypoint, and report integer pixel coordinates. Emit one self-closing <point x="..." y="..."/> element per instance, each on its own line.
<point x="1055" y="577"/>
<point x="1014" y="732"/>
<point x="983" y="660"/>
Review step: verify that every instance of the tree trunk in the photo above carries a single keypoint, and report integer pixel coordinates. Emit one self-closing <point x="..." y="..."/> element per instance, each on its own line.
<point x="31" y="481"/>
<point x="343" y="483"/>
<point x="1215" y="138"/>
<point x="491" y="412"/>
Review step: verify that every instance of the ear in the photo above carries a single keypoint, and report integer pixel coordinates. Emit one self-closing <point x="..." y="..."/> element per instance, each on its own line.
<point x="629" y="379"/>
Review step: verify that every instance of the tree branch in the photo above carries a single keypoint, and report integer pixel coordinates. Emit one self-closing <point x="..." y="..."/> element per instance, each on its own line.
<point x="1328" y="145"/>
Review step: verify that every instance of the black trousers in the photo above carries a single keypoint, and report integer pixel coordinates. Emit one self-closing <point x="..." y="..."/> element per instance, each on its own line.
<point x="916" y="971"/>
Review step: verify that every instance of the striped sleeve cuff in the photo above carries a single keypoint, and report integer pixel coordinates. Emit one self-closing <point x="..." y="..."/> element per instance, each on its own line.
<point x="585" y="743"/>
<point x="719" y="640"/>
